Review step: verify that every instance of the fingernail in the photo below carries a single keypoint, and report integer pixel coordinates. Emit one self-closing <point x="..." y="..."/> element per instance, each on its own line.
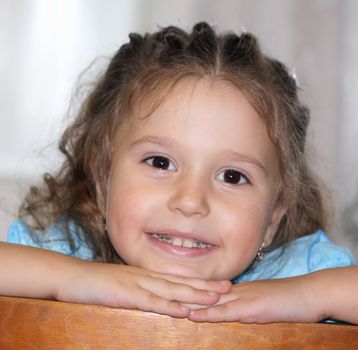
<point x="226" y="283"/>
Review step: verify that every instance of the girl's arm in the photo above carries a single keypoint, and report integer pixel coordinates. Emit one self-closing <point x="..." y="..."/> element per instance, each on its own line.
<point x="38" y="273"/>
<point x="330" y="293"/>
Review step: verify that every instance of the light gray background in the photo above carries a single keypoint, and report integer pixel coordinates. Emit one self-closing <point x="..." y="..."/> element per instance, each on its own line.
<point x="46" y="44"/>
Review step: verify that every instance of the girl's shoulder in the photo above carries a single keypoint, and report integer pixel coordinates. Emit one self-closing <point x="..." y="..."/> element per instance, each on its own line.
<point x="321" y="253"/>
<point x="304" y="255"/>
<point x="54" y="238"/>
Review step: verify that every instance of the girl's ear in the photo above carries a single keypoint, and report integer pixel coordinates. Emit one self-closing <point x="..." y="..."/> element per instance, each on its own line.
<point x="100" y="199"/>
<point x="271" y="229"/>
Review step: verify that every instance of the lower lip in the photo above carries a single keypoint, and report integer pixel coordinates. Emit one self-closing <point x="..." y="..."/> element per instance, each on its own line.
<point x="179" y="250"/>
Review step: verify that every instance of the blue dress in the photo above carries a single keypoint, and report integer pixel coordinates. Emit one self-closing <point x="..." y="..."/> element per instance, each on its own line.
<point x="303" y="255"/>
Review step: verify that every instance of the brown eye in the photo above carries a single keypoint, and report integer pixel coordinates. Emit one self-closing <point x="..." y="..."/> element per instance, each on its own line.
<point x="160" y="162"/>
<point x="232" y="177"/>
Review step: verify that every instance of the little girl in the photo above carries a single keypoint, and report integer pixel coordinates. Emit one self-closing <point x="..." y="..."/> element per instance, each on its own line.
<point x="185" y="172"/>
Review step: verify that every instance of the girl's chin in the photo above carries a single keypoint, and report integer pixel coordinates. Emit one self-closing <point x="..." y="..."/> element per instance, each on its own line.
<point x="191" y="272"/>
<point x="182" y="271"/>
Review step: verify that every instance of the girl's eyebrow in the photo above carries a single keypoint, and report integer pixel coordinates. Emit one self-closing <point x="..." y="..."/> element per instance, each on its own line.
<point x="161" y="141"/>
<point x="240" y="157"/>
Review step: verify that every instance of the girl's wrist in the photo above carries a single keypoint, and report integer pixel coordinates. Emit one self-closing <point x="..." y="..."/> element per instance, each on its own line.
<point x="68" y="271"/>
<point x="319" y="293"/>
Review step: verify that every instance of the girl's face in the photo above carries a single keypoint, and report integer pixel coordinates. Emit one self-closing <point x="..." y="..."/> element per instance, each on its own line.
<point x="192" y="186"/>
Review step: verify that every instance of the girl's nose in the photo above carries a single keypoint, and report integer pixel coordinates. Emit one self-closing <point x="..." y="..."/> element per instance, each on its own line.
<point x="190" y="197"/>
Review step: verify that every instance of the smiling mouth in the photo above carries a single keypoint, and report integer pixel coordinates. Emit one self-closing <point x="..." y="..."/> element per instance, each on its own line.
<point x="181" y="242"/>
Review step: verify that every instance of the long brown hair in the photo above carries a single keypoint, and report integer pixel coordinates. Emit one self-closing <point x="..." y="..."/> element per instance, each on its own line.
<point x="147" y="68"/>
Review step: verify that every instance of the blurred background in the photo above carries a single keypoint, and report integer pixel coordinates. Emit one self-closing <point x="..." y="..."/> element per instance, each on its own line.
<point x="46" y="44"/>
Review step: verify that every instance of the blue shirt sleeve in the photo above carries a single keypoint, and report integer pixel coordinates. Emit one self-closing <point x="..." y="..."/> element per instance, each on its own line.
<point x="20" y="234"/>
<point x="53" y="239"/>
<point x="323" y="254"/>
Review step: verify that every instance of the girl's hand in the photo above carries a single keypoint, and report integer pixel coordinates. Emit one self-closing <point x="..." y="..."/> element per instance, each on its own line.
<point x="136" y="288"/>
<point x="277" y="300"/>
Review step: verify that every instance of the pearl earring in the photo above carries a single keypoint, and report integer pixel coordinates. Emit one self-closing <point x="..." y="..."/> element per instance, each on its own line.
<point x="260" y="254"/>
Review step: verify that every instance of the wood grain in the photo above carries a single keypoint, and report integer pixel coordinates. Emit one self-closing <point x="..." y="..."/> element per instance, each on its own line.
<point x="39" y="324"/>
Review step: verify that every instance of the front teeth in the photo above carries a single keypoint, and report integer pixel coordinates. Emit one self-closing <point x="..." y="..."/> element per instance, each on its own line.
<point x="188" y="244"/>
<point x="179" y="242"/>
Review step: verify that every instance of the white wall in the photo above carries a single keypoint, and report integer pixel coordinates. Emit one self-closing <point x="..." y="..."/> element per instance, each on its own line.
<point x="45" y="44"/>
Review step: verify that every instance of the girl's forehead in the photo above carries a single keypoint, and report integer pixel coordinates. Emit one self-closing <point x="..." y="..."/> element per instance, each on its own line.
<point x="185" y="93"/>
<point x="206" y="101"/>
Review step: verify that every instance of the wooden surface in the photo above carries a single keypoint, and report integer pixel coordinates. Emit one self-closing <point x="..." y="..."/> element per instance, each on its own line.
<point x="38" y="324"/>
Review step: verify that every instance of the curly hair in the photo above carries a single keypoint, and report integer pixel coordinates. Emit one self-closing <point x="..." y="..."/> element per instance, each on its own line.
<point x="147" y="68"/>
